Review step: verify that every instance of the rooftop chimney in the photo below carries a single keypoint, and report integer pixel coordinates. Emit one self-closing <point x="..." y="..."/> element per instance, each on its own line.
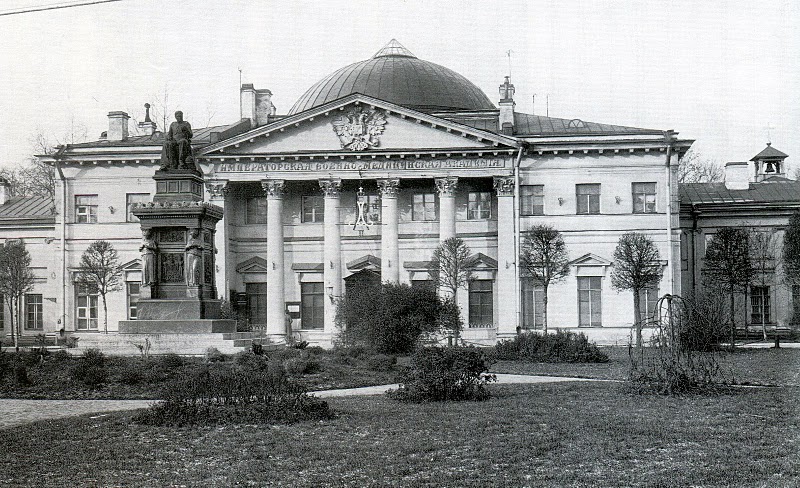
<point x="256" y="105"/>
<point x="147" y="127"/>
<point x="506" y="120"/>
<point x="117" y="126"/>
<point x="5" y="191"/>
<point x="737" y="176"/>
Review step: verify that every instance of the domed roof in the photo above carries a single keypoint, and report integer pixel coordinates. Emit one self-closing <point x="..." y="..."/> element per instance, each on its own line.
<point x="397" y="76"/>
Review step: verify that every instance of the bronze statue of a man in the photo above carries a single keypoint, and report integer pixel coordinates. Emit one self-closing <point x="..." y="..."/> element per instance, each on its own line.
<point x="177" y="152"/>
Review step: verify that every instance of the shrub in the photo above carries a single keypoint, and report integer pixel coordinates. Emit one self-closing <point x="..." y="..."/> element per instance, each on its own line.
<point x="443" y="374"/>
<point x="257" y="349"/>
<point x="94" y="357"/>
<point x="299" y="366"/>
<point x="61" y="355"/>
<point x="90" y="369"/>
<point x="235" y="395"/>
<point x="561" y="347"/>
<point x="172" y="361"/>
<point x="213" y="355"/>
<point x="390" y="318"/>
<point x="381" y="362"/>
<point x="130" y="376"/>
<point x="21" y="374"/>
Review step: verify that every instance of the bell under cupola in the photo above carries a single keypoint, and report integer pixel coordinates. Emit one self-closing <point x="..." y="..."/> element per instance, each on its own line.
<point x="769" y="163"/>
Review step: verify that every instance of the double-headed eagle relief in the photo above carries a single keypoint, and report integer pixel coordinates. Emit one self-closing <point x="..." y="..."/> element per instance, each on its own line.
<point x="359" y="130"/>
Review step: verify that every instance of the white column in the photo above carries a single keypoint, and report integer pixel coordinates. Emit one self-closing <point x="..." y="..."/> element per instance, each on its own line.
<point x="217" y="190"/>
<point x="332" y="253"/>
<point x="506" y="260"/>
<point x="390" y="249"/>
<point x="447" y="206"/>
<point x="276" y="301"/>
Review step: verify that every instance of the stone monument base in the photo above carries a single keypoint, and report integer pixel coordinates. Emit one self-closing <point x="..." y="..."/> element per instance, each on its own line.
<point x="189" y="326"/>
<point x="172" y="309"/>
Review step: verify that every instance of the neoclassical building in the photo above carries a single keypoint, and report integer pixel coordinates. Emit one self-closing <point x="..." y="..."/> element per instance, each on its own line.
<point x="361" y="179"/>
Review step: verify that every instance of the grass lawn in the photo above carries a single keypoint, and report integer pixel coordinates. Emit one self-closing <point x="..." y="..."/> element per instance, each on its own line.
<point x="568" y="434"/>
<point x="746" y="366"/>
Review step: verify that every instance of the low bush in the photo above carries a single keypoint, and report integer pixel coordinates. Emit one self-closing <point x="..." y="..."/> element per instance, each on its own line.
<point x="381" y="362"/>
<point x="299" y="366"/>
<point x="561" y="347"/>
<point x="21" y="374"/>
<point x="172" y="361"/>
<point x="213" y="355"/>
<point x="444" y="374"/>
<point x="130" y="376"/>
<point x="90" y="369"/>
<point x="235" y="395"/>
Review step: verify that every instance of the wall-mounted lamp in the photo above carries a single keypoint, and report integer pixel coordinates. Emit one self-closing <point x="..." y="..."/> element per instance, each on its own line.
<point x="560" y="201"/>
<point x="618" y="199"/>
<point x="111" y="209"/>
<point x="329" y="289"/>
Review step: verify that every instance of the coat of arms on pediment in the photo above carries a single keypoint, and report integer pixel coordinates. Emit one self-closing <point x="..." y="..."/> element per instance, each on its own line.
<point x="359" y="129"/>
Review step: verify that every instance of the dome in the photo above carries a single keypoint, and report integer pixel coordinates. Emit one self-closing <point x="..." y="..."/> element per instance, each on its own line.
<point x="397" y="76"/>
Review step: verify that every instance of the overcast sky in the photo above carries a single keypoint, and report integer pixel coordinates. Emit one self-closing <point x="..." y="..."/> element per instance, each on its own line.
<point x="724" y="73"/>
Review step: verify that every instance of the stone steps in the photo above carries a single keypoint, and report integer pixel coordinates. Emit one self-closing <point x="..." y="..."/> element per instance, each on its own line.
<point x="183" y="344"/>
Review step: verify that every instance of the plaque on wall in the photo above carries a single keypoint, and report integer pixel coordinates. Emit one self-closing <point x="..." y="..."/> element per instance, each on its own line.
<point x="172" y="268"/>
<point x="172" y="235"/>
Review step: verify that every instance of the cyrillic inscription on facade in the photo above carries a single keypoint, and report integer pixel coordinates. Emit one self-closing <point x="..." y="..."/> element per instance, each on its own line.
<point x="401" y="165"/>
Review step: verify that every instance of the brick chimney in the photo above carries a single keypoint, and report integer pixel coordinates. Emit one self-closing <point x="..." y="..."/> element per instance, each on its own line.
<point x="5" y="191"/>
<point x="256" y="105"/>
<point x="737" y="176"/>
<point x="147" y="127"/>
<point x="117" y="126"/>
<point x="506" y="121"/>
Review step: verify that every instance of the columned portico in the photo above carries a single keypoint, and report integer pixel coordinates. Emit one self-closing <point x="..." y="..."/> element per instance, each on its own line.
<point x="506" y="258"/>
<point x="332" y="251"/>
<point x="217" y="191"/>
<point x="447" y="206"/>
<point x="390" y="249"/>
<point x="276" y="316"/>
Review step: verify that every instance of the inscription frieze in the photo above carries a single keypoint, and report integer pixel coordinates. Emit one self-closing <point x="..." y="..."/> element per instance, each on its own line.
<point x="397" y="165"/>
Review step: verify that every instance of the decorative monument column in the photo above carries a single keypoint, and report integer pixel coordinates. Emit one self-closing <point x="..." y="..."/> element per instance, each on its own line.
<point x="178" y="294"/>
<point x="506" y="259"/>
<point x="390" y="249"/>
<point x="332" y="258"/>
<point x="447" y="206"/>
<point x="217" y="190"/>
<point x="276" y="301"/>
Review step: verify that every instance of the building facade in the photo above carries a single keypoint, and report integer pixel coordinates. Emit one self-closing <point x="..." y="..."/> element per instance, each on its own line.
<point x="370" y="170"/>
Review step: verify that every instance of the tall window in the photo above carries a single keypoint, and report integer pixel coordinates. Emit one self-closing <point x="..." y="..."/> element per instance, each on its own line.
<point x="479" y="205"/>
<point x="256" y="211"/>
<point x="86" y="309"/>
<point x="313" y="209"/>
<point x="34" y="319"/>
<point x="133" y="299"/>
<point x="588" y="198"/>
<point x="481" y="304"/>
<point x="759" y="305"/>
<point x="532" y="199"/>
<point x="86" y="209"/>
<point x="795" y="318"/>
<point x="648" y="302"/>
<point x="644" y="197"/>
<point x="256" y="303"/>
<point x="311" y="305"/>
<point x="130" y="199"/>
<point x="532" y="304"/>
<point x="424" y="206"/>
<point x="590" y="307"/>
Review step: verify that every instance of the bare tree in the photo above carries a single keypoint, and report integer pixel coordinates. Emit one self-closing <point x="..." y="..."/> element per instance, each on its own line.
<point x="16" y="279"/>
<point x="637" y="266"/>
<point x="100" y="272"/>
<point x="764" y="256"/>
<point x="544" y="255"/>
<point x="694" y="168"/>
<point x="451" y="269"/>
<point x="728" y="267"/>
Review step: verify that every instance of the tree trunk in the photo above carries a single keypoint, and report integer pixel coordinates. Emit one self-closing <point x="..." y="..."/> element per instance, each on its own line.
<point x="105" y="316"/>
<point x="15" y="323"/>
<point x="733" y="313"/>
<point x="637" y="313"/>
<point x="763" y="320"/>
<point x="544" y="311"/>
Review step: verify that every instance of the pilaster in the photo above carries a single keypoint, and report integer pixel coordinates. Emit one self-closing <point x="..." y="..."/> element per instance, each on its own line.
<point x="390" y="249"/>
<point x="217" y="192"/>
<point x="276" y="299"/>
<point x="447" y="206"/>
<point x="507" y="317"/>
<point x="332" y="252"/>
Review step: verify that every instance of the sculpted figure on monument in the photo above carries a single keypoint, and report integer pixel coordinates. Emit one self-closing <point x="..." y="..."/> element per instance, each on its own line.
<point x="177" y="152"/>
<point x="194" y="254"/>
<point x="148" y="250"/>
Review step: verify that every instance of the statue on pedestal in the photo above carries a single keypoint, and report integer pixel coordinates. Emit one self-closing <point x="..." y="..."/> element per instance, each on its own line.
<point x="194" y="255"/>
<point x="177" y="151"/>
<point x="148" y="250"/>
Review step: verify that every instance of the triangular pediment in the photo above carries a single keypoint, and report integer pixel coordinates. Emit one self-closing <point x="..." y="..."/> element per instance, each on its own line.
<point x="133" y="265"/>
<point x="253" y="265"/>
<point x="364" y="262"/>
<point x="479" y="261"/>
<point x="590" y="259"/>
<point x="358" y="125"/>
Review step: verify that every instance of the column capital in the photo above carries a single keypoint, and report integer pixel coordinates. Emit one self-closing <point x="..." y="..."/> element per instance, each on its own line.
<point x="446" y="186"/>
<point x="330" y="187"/>
<point x="217" y="189"/>
<point x="388" y="187"/>
<point x="504" y="186"/>
<point x="273" y="188"/>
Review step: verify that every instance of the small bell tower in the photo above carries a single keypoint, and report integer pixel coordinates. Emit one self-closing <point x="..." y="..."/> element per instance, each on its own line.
<point x="769" y="163"/>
